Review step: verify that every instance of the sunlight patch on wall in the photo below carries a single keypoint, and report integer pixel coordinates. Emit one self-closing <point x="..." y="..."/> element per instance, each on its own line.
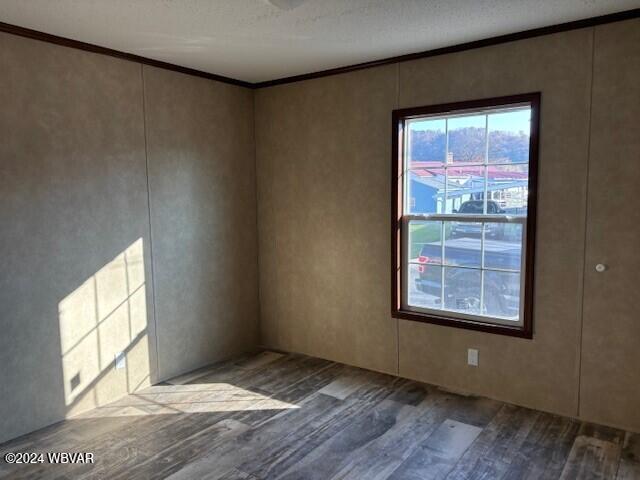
<point x="104" y="316"/>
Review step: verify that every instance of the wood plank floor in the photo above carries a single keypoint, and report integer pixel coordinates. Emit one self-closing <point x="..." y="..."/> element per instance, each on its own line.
<point x="273" y="416"/>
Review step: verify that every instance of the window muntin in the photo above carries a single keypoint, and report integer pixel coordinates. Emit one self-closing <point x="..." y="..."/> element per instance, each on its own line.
<point x="463" y="212"/>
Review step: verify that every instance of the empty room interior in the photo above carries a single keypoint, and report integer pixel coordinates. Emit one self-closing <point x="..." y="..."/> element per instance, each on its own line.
<point x="320" y="239"/>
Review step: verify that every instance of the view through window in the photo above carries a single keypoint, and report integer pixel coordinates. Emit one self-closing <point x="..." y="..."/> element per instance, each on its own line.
<point x="464" y="204"/>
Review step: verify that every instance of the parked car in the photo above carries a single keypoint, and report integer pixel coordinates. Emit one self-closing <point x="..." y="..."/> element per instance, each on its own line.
<point x="476" y="207"/>
<point x="462" y="285"/>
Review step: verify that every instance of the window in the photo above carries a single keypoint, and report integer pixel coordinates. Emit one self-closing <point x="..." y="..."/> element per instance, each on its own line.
<point x="463" y="224"/>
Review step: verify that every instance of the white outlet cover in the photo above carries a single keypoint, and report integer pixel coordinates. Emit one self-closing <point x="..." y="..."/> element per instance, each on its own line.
<point x="472" y="357"/>
<point x="121" y="360"/>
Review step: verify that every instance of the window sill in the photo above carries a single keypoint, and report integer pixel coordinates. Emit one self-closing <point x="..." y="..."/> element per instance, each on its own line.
<point x="518" y="331"/>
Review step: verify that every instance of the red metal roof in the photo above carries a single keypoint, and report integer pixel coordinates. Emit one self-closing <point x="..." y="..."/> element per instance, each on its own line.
<point x="435" y="169"/>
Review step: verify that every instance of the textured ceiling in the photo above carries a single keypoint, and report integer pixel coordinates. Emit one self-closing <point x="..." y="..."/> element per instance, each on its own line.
<point x="257" y="40"/>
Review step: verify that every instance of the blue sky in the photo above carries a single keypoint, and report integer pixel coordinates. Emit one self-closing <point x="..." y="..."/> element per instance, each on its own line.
<point x="515" y="121"/>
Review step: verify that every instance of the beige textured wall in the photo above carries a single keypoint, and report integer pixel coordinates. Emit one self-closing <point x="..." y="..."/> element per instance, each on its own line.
<point x="75" y="233"/>
<point x="76" y="283"/>
<point x="610" y="386"/>
<point x="323" y="209"/>
<point x="203" y="217"/>
<point x="323" y="156"/>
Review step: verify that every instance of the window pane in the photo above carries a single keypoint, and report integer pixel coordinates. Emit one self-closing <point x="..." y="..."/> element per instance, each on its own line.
<point x="426" y="143"/>
<point x="503" y="246"/>
<point x="465" y="190"/>
<point x="462" y="290"/>
<point x="425" y="190"/>
<point x="502" y="294"/>
<point x="508" y="188"/>
<point x="425" y="286"/>
<point x="509" y="136"/>
<point x="425" y="241"/>
<point x="467" y="140"/>
<point x="462" y="244"/>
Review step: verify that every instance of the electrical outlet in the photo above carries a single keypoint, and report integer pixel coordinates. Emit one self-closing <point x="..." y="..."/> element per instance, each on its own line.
<point x="121" y="360"/>
<point x="472" y="357"/>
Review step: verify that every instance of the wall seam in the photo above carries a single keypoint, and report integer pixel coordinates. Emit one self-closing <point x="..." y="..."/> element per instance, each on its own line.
<point x="255" y="167"/>
<point x="153" y="275"/>
<point x="586" y="222"/>
<point x="397" y="319"/>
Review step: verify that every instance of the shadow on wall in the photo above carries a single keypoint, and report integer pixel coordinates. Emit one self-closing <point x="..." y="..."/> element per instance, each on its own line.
<point x="104" y="339"/>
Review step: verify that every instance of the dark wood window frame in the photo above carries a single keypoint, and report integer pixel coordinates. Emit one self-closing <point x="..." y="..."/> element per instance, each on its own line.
<point x="399" y="117"/>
